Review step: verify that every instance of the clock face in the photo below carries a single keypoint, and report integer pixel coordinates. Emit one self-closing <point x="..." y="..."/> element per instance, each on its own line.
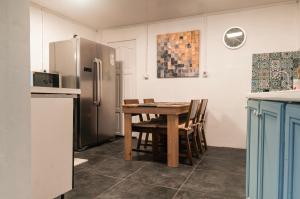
<point x="234" y="38"/>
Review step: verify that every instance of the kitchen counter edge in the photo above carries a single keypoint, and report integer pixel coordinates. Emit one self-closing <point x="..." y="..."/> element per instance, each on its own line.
<point x="48" y="90"/>
<point x="286" y="96"/>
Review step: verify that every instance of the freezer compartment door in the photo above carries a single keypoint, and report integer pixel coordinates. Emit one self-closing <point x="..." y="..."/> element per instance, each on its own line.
<point x="107" y="107"/>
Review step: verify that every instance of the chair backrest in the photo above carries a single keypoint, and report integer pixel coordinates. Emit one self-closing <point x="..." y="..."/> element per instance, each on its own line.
<point x="203" y="110"/>
<point x="148" y="101"/>
<point x="192" y="114"/>
<point x="198" y="114"/>
<point x="131" y="101"/>
<point x="134" y="101"/>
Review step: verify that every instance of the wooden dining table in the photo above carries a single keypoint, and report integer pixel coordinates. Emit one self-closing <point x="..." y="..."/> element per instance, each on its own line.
<point x="172" y="110"/>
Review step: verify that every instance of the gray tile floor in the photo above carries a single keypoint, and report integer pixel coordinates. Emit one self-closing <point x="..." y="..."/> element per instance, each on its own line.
<point x="218" y="174"/>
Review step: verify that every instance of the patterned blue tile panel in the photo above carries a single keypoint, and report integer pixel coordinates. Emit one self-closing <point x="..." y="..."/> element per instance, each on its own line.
<point x="274" y="71"/>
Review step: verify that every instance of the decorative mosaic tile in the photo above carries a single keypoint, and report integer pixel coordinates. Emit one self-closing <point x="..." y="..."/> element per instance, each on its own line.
<point x="255" y="75"/>
<point x="264" y="73"/>
<point x="255" y="59"/>
<point x="296" y="54"/>
<point x="296" y="66"/>
<point x="275" y="84"/>
<point x="265" y="57"/>
<point x="263" y="64"/>
<point x="275" y="63"/>
<point x="287" y="63"/>
<point x="275" y="56"/>
<point x="264" y="84"/>
<point x="255" y="85"/>
<point x="274" y="71"/>
<point x="286" y="55"/>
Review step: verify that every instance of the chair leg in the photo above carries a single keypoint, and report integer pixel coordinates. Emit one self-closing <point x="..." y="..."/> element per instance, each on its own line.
<point x="188" y="149"/>
<point x="146" y="140"/>
<point x="204" y="138"/>
<point x="138" y="146"/>
<point x="198" y="139"/>
<point x="195" y="145"/>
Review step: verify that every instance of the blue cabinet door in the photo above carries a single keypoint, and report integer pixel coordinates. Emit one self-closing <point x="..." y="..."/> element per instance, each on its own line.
<point x="292" y="151"/>
<point x="252" y="149"/>
<point x="271" y="150"/>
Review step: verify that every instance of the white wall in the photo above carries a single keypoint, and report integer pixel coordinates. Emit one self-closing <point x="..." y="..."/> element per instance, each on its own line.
<point x="273" y="28"/>
<point x="47" y="27"/>
<point x="15" y="157"/>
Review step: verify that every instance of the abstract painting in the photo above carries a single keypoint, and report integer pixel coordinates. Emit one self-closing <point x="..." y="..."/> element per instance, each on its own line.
<point x="274" y="71"/>
<point x="178" y="54"/>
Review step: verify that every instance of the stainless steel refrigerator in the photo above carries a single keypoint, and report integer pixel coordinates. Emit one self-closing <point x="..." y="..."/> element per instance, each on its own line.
<point x="91" y="67"/>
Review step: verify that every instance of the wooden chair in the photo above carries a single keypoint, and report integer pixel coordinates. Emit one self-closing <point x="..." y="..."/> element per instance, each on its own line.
<point x="200" y="126"/>
<point x="203" y="122"/>
<point x="135" y="125"/>
<point x="149" y="101"/>
<point x="143" y="127"/>
<point x="187" y="129"/>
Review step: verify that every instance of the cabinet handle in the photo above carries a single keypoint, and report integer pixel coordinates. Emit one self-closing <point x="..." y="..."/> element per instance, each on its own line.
<point x="259" y="114"/>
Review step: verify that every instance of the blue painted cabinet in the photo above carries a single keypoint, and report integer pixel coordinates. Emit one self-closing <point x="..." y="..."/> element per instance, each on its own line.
<point x="271" y="145"/>
<point x="265" y="147"/>
<point x="253" y="149"/>
<point x="292" y="152"/>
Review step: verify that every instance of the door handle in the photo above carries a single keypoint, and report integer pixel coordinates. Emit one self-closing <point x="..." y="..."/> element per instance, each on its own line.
<point x="99" y="92"/>
<point x="98" y="81"/>
<point x="95" y="69"/>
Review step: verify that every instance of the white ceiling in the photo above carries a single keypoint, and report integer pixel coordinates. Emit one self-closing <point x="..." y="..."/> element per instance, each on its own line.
<point x="100" y="14"/>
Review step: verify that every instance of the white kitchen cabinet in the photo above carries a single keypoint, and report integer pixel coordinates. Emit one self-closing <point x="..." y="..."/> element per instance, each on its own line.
<point x="52" y="144"/>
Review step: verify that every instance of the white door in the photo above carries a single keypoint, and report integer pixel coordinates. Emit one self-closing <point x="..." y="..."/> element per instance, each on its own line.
<point x="126" y="55"/>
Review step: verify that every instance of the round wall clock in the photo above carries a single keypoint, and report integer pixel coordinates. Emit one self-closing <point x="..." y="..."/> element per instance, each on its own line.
<point x="234" y="37"/>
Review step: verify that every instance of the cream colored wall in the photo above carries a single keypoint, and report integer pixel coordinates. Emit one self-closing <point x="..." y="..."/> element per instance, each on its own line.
<point x="46" y="27"/>
<point x="273" y="28"/>
<point x="15" y="154"/>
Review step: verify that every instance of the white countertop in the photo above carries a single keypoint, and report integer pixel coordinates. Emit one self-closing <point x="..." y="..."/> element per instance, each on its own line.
<point x="288" y="95"/>
<point x="48" y="90"/>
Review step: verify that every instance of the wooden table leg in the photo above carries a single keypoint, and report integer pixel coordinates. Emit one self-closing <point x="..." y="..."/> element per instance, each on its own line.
<point x="128" y="137"/>
<point x="173" y="137"/>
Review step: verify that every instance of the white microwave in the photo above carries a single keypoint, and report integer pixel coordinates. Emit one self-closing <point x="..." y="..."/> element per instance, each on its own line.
<point x="43" y="79"/>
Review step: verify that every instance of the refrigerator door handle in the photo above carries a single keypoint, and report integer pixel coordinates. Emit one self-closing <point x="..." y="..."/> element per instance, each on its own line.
<point x="95" y="69"/>
<point x="99" y="91"/>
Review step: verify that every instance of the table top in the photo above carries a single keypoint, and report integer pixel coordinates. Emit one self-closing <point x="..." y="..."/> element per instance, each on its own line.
<point x="157" y="108"/>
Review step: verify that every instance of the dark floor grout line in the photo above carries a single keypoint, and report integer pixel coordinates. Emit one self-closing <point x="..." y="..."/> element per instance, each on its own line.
<point x="119" y="178"/>
<point x="135" y="171"/>
<point x="110" y="188"/>
<point x="122" y="180"/>
<point x="146" y="164"/>
<point x="221" y="171"/>
<point x="218" y="158"/>
<point x="188" y="177"/>
<point x="155" y="185"/>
